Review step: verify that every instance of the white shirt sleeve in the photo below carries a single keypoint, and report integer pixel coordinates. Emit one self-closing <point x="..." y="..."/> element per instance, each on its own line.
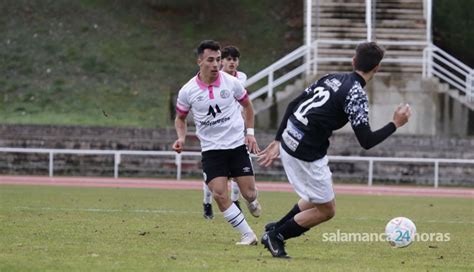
<point x="242" y="77"/>
<point x="239" y="91"/>
<point x="183" y="105"/>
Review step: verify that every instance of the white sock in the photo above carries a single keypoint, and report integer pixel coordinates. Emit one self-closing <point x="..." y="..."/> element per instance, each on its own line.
<point x="207" y="194"/>
<point x="235" y="191"/>
<point x="236" y="218"/>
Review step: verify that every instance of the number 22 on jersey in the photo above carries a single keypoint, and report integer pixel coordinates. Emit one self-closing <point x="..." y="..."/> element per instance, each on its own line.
<point x="318" y="99"/>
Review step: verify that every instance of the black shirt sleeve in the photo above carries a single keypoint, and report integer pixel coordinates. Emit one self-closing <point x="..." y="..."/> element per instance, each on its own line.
<point x="368" y="138"/>
<point x="357" y="108"/>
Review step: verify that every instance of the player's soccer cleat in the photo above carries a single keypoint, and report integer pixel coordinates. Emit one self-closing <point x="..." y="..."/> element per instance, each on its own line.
<point x="248" y="239"/>
<point x="237" y="203"/>
<point x="270" y="226"/>
<point x="208" y="214"/>
<point x="274" y="244"/>
<point x="254" y="208"/>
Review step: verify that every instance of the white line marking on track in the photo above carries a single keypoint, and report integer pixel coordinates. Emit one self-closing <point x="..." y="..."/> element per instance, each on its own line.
<point x="193" y="212"/>
<point x="100" y="210"/>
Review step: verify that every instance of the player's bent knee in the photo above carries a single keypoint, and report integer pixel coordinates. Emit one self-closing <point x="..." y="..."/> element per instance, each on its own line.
<point x="330" y="213"/>
<point x="249" y="195"/>
<point x="328" y="210"/>
<point x="220" y="197"/>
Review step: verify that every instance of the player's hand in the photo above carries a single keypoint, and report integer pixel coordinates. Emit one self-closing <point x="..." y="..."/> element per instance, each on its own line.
<point x="266" y="157"/>
<point x="178" y="145"/>
<point x="251" y="144"/>
<point x="401" y="115"/>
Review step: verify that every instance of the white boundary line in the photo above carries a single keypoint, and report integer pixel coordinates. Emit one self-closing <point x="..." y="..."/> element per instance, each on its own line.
<point x="99" y="210"/>
<point x="192" y="212"/>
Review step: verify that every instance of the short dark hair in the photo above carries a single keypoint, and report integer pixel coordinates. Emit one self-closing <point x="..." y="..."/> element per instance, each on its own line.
<point x="231" y="51"/>
<point x="368" y="55"/>
<point x="207" y="44"/>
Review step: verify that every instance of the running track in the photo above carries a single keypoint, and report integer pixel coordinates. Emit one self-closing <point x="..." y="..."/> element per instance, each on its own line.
<point x="263" y="186"/>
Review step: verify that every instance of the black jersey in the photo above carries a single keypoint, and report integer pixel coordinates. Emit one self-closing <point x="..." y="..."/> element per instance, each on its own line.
<point x="325" y="106"/>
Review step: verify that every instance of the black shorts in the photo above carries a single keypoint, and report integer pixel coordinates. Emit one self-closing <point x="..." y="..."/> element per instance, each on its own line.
<point x="226" y="163"/>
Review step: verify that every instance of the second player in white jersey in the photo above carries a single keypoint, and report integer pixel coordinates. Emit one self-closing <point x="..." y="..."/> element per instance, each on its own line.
<point x="241" y="76"/>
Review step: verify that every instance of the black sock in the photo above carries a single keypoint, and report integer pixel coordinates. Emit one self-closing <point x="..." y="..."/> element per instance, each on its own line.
<point x="290" y="229"/>
<point x="294" y="211"/>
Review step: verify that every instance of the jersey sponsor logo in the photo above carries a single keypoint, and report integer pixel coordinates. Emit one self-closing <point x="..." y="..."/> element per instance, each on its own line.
<point x="213" y="111"/>
<point x="294" y="131"/>
<point x="215" y="122"/>
<point x="291" y="143"/>
<point x="333" y="83"/>
<point x="225" y="94"/>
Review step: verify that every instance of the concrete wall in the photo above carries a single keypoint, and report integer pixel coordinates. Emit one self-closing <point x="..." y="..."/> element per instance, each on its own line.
<point x="454" y="119"/>
<point x="387" y="92"/>
<point x="83" y="137"/>
<point x="78" y="137"/>
<point x="345" y="144"/>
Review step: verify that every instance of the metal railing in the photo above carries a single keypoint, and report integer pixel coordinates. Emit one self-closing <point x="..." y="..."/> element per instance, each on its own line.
<point x="178" y="159"/>
<point x="450" y="70"/>
<point x="434" y="61"/>
<point x="315" y="59"/>
<point x="269" y="73"/>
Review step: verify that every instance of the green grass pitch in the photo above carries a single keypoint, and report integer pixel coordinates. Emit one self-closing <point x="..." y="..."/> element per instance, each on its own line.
<point x="116" y="229"/>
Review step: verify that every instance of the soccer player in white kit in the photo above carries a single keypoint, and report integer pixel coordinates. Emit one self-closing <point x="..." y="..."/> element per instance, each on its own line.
<point x="214" y="97"/>
<point x="230" y="62"/>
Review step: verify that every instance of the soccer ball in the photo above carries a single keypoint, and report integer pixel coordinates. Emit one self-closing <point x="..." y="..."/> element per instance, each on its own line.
<point x="400" y="232"/>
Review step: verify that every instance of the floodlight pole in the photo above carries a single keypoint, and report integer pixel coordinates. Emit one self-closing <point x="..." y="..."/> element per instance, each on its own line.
<point x="428" y="51"/>
<point x="368" y="18"/>
<point x="427" y="8"/>
<point x="309" y="5"/>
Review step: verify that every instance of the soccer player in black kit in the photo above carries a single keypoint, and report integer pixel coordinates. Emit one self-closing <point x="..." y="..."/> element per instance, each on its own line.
<point x="302" y="141"/>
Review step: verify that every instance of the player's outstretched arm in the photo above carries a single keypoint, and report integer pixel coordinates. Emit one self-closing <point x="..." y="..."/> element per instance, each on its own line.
<point x="266" y="157"/>
<point x="181" y="128"/>
<point x="368" y="138"/>
<point x="248" y="114"/>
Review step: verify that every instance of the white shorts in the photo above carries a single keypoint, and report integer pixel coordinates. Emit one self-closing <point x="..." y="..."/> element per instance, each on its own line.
<point x="312" y="181"/>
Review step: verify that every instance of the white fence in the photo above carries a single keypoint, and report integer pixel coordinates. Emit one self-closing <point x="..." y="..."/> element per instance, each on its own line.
<point x="178" y="158"/>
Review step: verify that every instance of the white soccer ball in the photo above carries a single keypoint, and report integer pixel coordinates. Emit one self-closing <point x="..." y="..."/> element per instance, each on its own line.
<point x="400" y="232"/>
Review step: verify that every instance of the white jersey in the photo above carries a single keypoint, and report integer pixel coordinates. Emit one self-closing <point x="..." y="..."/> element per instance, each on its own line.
<point x="215" y="108"/>
<point x="241" y="76"/>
